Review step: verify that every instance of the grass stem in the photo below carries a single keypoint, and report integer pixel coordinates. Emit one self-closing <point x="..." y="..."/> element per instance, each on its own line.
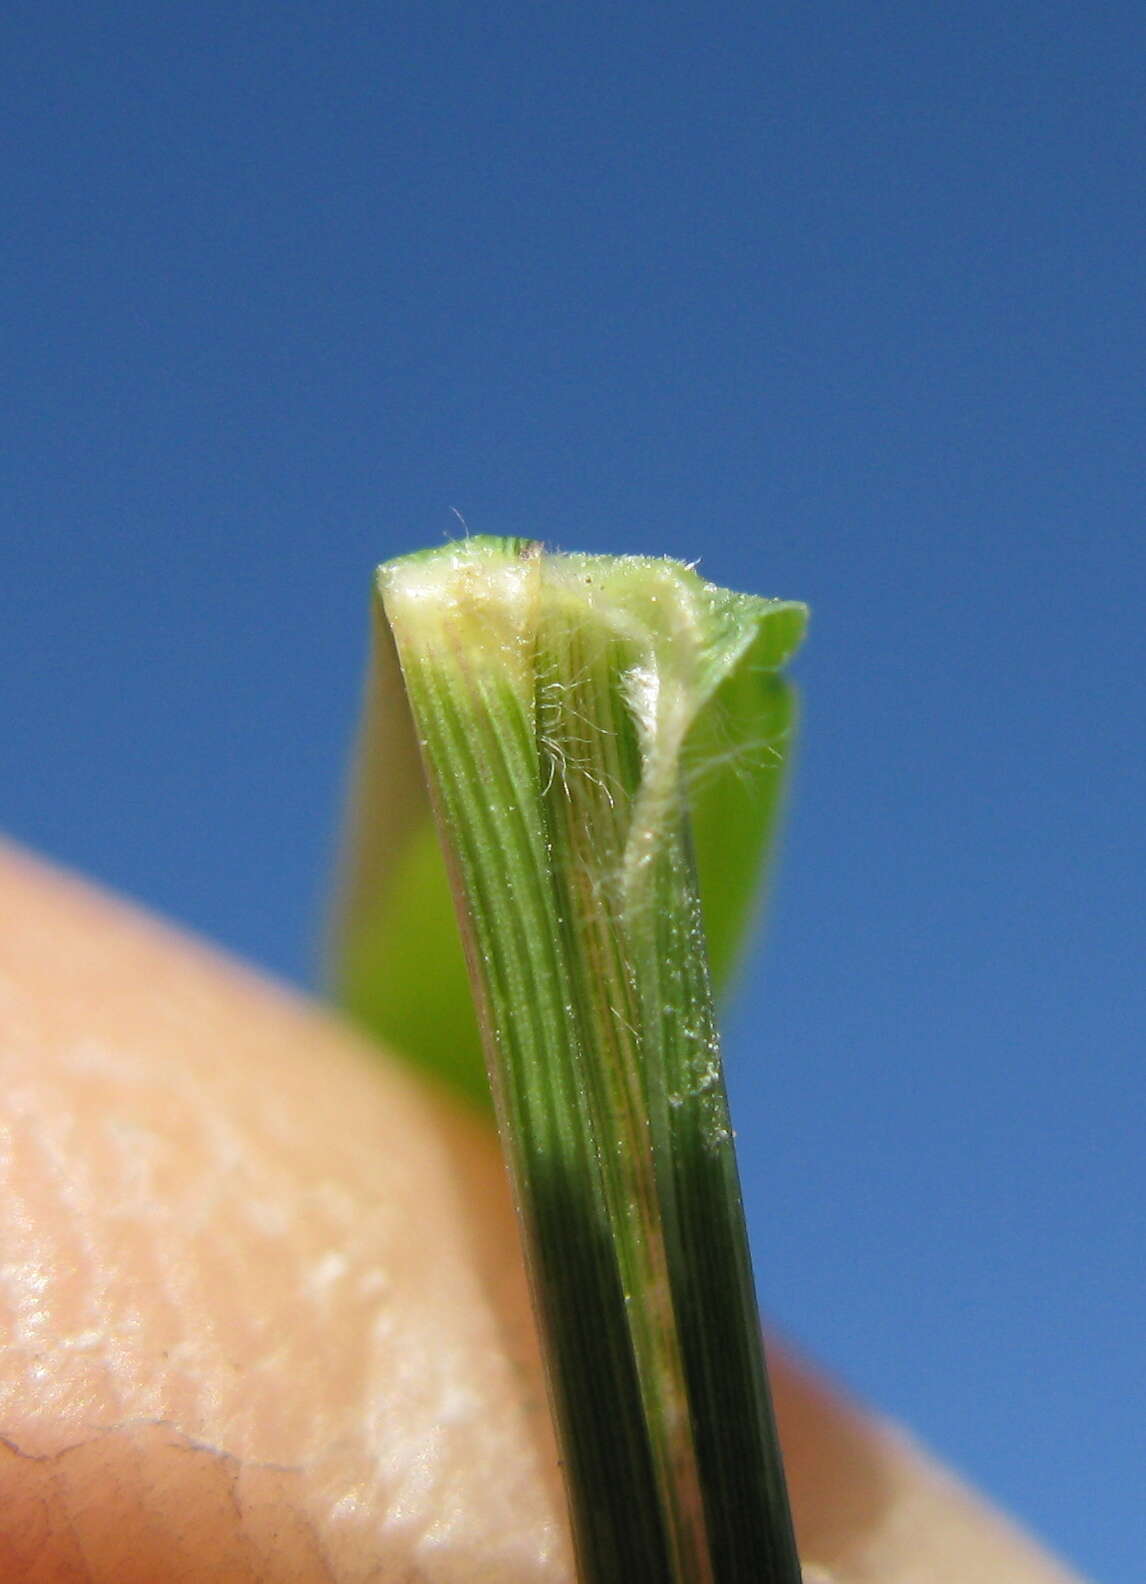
<point x="567" y="710"/>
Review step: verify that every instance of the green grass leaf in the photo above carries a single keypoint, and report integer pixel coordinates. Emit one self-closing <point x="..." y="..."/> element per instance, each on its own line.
<point x="395" y="962"/>
<point x="586" y="729"/>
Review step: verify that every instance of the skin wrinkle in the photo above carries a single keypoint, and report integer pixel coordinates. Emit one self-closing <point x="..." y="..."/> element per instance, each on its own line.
<point x="281" y="1329"/>
<point x="236" y="1548"/>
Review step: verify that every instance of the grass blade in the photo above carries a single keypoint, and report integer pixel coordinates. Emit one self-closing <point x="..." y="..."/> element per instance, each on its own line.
<point x="394" y="958"/>
<point x="568" y="709"/>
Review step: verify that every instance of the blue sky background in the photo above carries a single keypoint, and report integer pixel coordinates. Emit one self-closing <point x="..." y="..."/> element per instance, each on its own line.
<point x="845" y="300"/>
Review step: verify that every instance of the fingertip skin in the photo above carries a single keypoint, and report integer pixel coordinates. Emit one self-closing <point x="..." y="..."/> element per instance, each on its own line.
<point x="263" y="1314"/>
<point x="872" y="1507"/>
<point x="142" y="1503"/>
<point x="255" y="1280"/>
